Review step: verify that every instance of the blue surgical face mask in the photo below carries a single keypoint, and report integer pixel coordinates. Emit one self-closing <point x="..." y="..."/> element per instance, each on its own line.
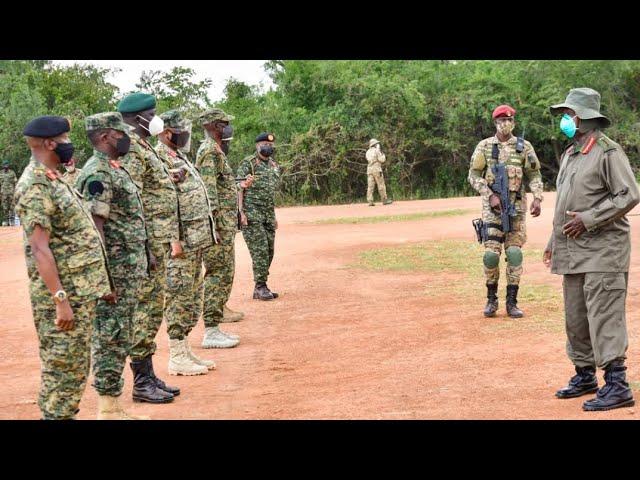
<point x="568" y="126"/>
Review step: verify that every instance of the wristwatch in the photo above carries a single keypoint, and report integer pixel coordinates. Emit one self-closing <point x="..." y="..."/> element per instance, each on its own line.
<point x="60" y="296"/>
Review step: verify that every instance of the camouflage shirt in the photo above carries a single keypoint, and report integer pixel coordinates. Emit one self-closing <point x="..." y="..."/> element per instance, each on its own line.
<point x="375" y="159"/>
<point x="196" y="222"/>
<point x="111" y="194"/>
<point x="71" y="177"/>
<point x="7" y="181"/>
<point x="266" y="180"/>
<point x="218" y="176"/>
<point x="43" y="198"/>
<point x="158" y="193"/>
<point x="518" y="166"/>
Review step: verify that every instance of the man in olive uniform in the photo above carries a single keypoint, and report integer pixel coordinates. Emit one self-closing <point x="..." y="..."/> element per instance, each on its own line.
<point x="7" y="187"/>
<point x="184" y="272"/>
<point x="590" y="246"/>
<point x="219" y="260"/>
<point x="71" y="173"/>
<point x="116" y="207"/>
<point x="515" y="161"/>
<point x="375" y="160"/>
<point x="160" y="203"/>
<point x="257" y="210"/>
<point x="66" y="264"/>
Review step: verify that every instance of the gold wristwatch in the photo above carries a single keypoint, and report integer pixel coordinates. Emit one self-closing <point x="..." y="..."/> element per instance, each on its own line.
<point x="60" y="296"/>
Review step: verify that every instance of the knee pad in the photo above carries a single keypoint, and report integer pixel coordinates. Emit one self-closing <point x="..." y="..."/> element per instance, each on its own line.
<point x="490" y="259"/>
<point x="514" y="256"/>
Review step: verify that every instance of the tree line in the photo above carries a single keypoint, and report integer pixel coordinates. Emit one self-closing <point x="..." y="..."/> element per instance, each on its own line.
<point x="428" y="115"/>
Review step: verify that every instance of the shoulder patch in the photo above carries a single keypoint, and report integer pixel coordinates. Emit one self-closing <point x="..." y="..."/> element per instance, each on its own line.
<point x="95" y="187"/>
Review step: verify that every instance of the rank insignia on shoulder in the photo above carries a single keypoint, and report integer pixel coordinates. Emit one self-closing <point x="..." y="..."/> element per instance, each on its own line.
<point x="51" y="175"/>
<point x="114" y="163"/>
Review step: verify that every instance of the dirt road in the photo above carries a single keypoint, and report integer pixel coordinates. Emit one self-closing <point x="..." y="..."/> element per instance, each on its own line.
<point x="344" y="342"/>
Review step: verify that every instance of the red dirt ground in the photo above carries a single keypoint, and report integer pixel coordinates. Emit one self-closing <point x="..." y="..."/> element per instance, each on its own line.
<point x="344" y="343"/>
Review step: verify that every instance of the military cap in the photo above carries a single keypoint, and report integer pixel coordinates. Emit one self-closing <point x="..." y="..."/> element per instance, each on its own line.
<point x="137" y="102"/>
<point x="5" y="163"/>
<point x="107" y="120"/>
<point x="373" y="142"/>
<point x="265" y="137"/>
<point x="585" y="102"/>
<point x="47" y="126"/>
<point x="504" y="111"/>
<point x="173" y="119"/>
<point x="212" y="115"/>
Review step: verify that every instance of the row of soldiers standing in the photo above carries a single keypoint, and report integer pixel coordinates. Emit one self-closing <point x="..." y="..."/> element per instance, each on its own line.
<point x="144" y="235"/>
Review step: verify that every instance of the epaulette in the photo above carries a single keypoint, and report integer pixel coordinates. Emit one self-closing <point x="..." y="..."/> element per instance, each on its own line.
<point x="606" y="143"/>
<point x="40" y="176"/>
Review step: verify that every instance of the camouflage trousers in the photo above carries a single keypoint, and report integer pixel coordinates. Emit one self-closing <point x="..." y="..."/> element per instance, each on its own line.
<point x="6" y="199"/>
<point x="516" y="238"/>
<point x="149" y="312"/>
<point x="219" y="264"/>
<point x="259" y="235"/>
<point x="114" y="322"/>
<point x="183" y="293"/>
<point x="64" y="356"/>
<point x="373" y="179"/>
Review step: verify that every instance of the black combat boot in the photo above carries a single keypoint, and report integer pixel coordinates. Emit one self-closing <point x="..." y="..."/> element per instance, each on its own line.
<point x="261" y="292"/>
<point x="582" y="383"/>
<point x="512" y="299"/>
<point x="144" y="387"/>
<point x="615" y="393"/>
<point x="492" y="300"/>
<point x="275" y="295"/>
<point x="175" y="391"/>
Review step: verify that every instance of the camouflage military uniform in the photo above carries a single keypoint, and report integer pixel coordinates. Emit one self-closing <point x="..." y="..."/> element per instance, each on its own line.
<point x="72" y="177"/>
<point x="185" y="286"/>
<point x="219" y="260"/>
<point x="7" y="187"/>
<point x="259" y="207"/>
<point x="112" y="195"/>
<point x="43" y="198"/>
<point x="160" y="204"/>
<point x="375" y="160"/>
<point x="519" y="166"/>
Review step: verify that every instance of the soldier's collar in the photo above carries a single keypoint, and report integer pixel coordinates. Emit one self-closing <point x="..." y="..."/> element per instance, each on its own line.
<point x="586" y="143"/>
<point x="513" y="139"/>
<point x="100" y="155"/>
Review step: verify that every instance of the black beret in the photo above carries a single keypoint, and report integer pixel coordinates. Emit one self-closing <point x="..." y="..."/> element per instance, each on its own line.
<point x="47" y="126"/>
<point x="265" y="137"/>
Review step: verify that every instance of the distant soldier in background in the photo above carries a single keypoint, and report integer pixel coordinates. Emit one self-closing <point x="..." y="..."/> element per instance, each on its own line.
<point x="375" y="160"/>
<point x="7" y="186"/>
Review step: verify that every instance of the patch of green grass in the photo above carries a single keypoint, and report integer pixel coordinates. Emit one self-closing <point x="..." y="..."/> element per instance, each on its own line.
<point x="391" y="218"/>
<point x="460" y="275"/>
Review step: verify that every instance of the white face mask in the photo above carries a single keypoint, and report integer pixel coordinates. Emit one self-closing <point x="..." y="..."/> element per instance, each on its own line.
<point x="156" y="125"/>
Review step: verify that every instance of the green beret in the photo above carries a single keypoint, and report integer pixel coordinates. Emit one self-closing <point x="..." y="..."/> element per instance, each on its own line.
<point x="212" y="115"/>
<point x="107" y="120"/>
<point x="174" y="119"/>
<point x="5" y="163"/>
<point x="137" y="102"/>
<point x="265" y="137"/>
